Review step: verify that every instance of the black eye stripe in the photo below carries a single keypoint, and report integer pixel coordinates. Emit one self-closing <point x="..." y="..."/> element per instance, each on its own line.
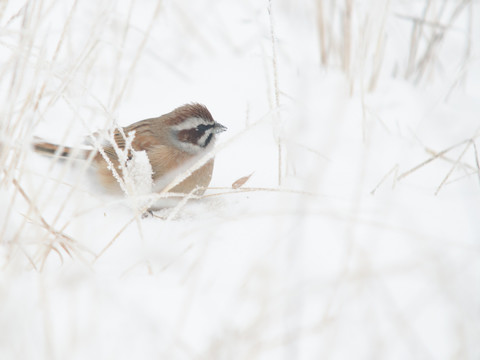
<point x="203" y="128"/>
<point x="195" y="137"/>
<point x="209" y="138"/>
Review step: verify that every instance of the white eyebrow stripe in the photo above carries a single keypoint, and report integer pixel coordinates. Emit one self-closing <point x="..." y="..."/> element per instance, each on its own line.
<point x="204" y="137"/>
<point x="191" y="123"/>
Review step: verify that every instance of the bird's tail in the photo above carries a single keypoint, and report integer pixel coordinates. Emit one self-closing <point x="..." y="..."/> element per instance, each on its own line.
<point x="50" y="149"/>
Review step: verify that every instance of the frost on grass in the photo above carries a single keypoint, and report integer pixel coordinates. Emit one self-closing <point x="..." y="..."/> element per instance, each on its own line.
<point x="137" y="174"/>
<point x="138" y="177"/>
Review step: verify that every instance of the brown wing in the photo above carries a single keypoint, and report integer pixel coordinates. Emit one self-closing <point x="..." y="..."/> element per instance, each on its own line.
<point x="143" y="142"/>
<point x="144" y="138"/>
<point x="165" y="161"/>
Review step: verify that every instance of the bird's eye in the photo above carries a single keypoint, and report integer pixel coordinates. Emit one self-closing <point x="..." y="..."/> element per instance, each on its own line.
<point x="202" y="128"/>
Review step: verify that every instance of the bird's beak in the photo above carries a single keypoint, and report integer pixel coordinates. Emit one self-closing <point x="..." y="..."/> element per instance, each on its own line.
<point x="218" y="128"/>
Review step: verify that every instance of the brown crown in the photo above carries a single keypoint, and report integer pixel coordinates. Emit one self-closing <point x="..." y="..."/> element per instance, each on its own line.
<point x="191" y="110"/>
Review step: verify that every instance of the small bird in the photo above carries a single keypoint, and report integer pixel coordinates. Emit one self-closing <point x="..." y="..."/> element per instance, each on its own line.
<point x="172" y="142"/>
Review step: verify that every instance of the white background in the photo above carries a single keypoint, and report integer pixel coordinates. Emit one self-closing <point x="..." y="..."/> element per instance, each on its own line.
<point x="367" y="249"/>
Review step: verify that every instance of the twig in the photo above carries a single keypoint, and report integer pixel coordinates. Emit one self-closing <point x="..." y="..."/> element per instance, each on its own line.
<point x="321" y="32"/>
<point x="422" y="21"/>
<point x="453" y="167"/>
<point x="276" y="89"/>
<point x="436" y="156"/>
<point x="477" y="162"/>
<point x="435" y="41"/>
<point x="347" y="36"/>
<point x="110" y="243"/>
<point x="414" y="41"/>
<point x="56" y="234"/>
<point x="181" y="204"/>
<point x="231" y="191"/>
<point x="446" y="158"/>
<point x="392" y="170"/>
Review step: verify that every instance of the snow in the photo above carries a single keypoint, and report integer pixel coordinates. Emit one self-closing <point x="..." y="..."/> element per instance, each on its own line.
<point x="359" y="253"/>
<point x="139" y="173"/>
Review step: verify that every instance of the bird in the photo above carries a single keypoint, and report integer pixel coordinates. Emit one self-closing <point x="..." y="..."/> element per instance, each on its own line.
<point x="172" y="142"/>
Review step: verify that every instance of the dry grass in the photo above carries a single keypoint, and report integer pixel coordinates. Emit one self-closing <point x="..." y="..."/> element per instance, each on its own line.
<point x="341" y="30"/>
<point x="35" y="81"/>
<point x="276" y="104"/>
<point x="49" y="73"/>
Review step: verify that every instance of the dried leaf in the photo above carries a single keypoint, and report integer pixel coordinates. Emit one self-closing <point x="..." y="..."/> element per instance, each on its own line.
<point x="240" y="182"/>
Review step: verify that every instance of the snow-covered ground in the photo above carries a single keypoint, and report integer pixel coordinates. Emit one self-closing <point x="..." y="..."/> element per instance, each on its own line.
<point x="357" y="235"/>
